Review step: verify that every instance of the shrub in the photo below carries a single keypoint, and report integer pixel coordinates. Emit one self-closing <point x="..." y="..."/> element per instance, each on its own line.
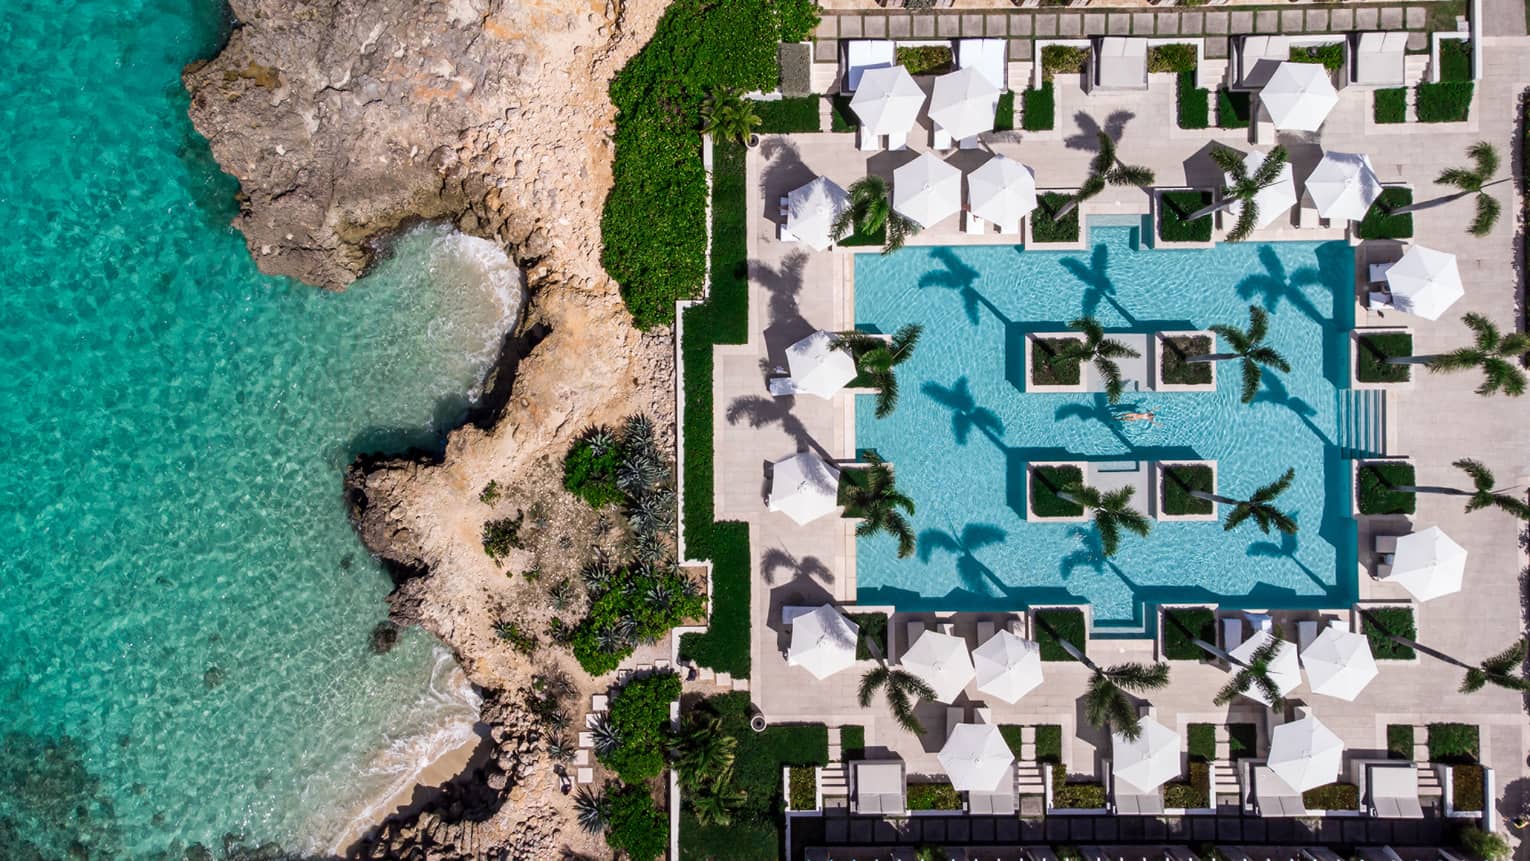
<point x="1455" y="60"/>
<point x="926" y="59"/>
<point x="1178" y="57"/>
<point x="1047" y="368"/>
<point x="1174" y="211"/>
<point x="1399" y="741"/>
<point x="933" y="796"/>
<point x="1175" y="370"/>
<point x="873" y="630"/>
<point x="1445" y="102"/>
<point x="1332" y="796"/>
<point x="502" y="535"/>
<point x="1012" y="737"/>
<point x="1390" y="105"/>
<point x="1049" y="743"/>
<point x="1038" y="108"/>
<point x="841" y="118"/>
<point x="803" y="785"/>
<point x="1233" y="109"/>
<point x="1372" y="352"/>
<point x="1059" y="623"/>
<point x="752" y="840"/>
<point x="760" y="756"/>
<point x="1454" y="743"/>
<point x="1380" y="223"/>
<point x="630" y="605"/>
<point x="1004" y="115"/>
<point x="1046" y="226"/>
<point x="634" y="825"/>
<point x="521" y="640"/>
<point x="1466" y="787"/>
<point x="1201" y="741"/>
<point x="589" y="467"/>
<point x="1063" y="59"/>
<point x="788" y="116"/>
<point x="1192" y="103"/>
<point x="1330" y="55"/>
<point x="1397" y="621"/>
<point x="640" y="716"/>
<point x="852" y="742"/>
<point x="490" y="494"/>
<point x="1182" y="625"/>
<point x="1375" y="485"/>
<point x="1192" y="793"/>
<point x="1046" y="482"/>
<point x="798" y="19"/>
<point x="1076" y="796"/>
<point x="1489" y="846"/>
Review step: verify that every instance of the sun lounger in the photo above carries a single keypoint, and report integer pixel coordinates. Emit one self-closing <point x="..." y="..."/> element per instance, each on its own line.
<point x="999" y="802"/>
<point x="1259" y="56"/>
<point x="1260" y="621"/>
<point x="1306" y="632"/>
<point x="914" y="629"/>
<point x="971" y="224"/>
<point x="863" y="54"/>
<point x="1383" y="571"/>
<point x="1391" y="791"/>
<point x="1119" y="64"/>
<point x="1380" y="59"/>
<point x="782" y="387"/>
<point x="1378" y="272"/>
<point x="1128" y="803"/>
<point x="940" y="139"/>
<point x="955" y="716"/>
<point x="985" y="631"/>
<point x="867" y="142"/>
<point x="988" y="56"/>
<point x="1386" y="545"/>
<point x="1273" y="797"/>
<point x="897" y="141"/>
<point x="879" y="787"/>
<point x="1232" y="633"/>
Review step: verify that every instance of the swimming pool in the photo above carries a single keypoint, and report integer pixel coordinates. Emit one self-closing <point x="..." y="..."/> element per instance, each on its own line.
<point x="965" y="427"/>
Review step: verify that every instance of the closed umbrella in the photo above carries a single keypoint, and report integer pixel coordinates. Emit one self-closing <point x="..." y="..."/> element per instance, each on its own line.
<point x="1298" y="96"/>
<point x="1425" y="282"/>
<point x="803" y="487"/>
<point x="1007" y="667"/>
<point x="819" y="367"/>
<point x="1339" y="664"/>
<point x="927" y="190"/>
<point x="976" y="757"/>
<point x="1428" y="564"/>
<point x="1343" y="185"/>
<point x="1275" y="199"/>
<point x="812" y="209"/>
<point x="823" y="642"/>
<point x="887" y="101"/>
<point x="1285" y="670"/>
<point x="963" y="102"/>
<point x="941" y="660"/>
<point x="1002" y="191"/>
<point x="1147" y="762"/>
<point x="1305" y="753"/>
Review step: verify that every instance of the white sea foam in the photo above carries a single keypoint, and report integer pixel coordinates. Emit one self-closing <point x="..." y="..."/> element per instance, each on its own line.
<point x="480" y="291"/>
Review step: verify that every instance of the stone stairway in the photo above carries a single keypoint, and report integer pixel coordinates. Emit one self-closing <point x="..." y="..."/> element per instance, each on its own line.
<point x="1224" y="773"/>
<point x="1428" y="781"/>
<point x="1028" y="776"/>
<point x="1211" y="74"/>
<point x="834" y="778"/>
<point x="1415" y="72"/>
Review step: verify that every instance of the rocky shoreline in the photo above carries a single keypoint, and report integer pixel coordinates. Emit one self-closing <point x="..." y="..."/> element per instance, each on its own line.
<point x="345" y="121"/>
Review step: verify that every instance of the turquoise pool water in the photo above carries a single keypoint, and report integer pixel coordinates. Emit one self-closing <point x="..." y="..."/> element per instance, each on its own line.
<point x="185" y="611"/>
<point x="965" y="428"/>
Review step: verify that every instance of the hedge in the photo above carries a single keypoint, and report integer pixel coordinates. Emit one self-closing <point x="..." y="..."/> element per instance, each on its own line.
<point x="1193" y="103"/>
<point x="1059" y="623"/>
<point x="1047" y="372"/>
<point x="1065" y="59"/>
<point x="640" y="717"/>
<point x="1455" y="743"/>
<point x="1076" y="796"/>
<point x="852" y="742"/>
<point x="1332" y="796"/>
<point x="925" y="59"/>
<point x="873" y="630"/>
<point x="1046" y="481"/>
<point x="1390" y="105"/>
<point x="1445" y="102"/>
<point x="1399" y="741"/>
<point x="634" y="825"/>
<point x="1374" y="488"/>
<point x="1004" y="114"/>
<point x="753" y="840"/>
<point x="589" y="468"/>
<point x="1455" y="60"/>
<point x="1038" y="108"/>
<point x="1177" y="57"/>
<point x="656" y="252"/>
<point x="1331" y="55"/>
<point x="1049" y="743"/>
<point x="1201" y="741"/>
<point x="1233" y="109"/>
<point x="1380" y="223"/>
<point x="1192" y="793"/>
<point x="803" y="784"/>
<point x="723" y="319"/>
<point x="1243" y="740"/>
<point x="933" y="796"/>
<point x="1045" y="227"/>
<point x="1372" y="352"/>
<point x="1174" y="211"/>
<point x="1177" y="371"/>
<point x="1466" y="786"/>
<point x="1199" y="622"/>
<point x="788" y="116"/>
<point x="841" y="118"/>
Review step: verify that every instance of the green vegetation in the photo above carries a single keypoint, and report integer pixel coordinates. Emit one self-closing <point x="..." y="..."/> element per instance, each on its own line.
<point x="1500" y="357"/>
<point x="1331" y="55"/>
<point x="1175" y="370"/>
<point x="1038" y="108"/>
<point x="841" y="118"/>
<point x="1399" y="741"/>
<point x="1233" y="109"/>
<point x="1178" y="57"/>
<point x="879" y="505"/>
<point x="502" y="535"/>
<point x="1244" y="739"/>
<point x="656" y="252"/>
<point x="925" y="59"/>
<point x="490" y="493"/>
<point x="1390" y="105"/>
<point x="1248" y="346"/>
<point x="1243" y="187"/>
<point x="1011" y="733"/>
<point x="640" y="718"/>
<point x="1107" y="169"/>
<point x="1381" y="222"/>
<point x="798" y="19"/>
<point x="1183" y="625"/>
<point x="1111" y="512"/>
<point x="521" y="640"/>
<point x="1059" y="623"/>
<point x="852" y="742"/>
<point x="1455" y="60"/>
<point x="876" y="361"/>
<point x="1192" y="103"/>
<point x="1083" y="795"/>
<point x="1201" y="742"/>
<point x="788" y="116"/>
<point x="1107" y="704"/>
<point x="803" y="788"/>
<point x="1049" y="743"/>
<point x="728" y="117"/>
<point x="1194" y="792"/>
<point x="1466" y="786"/>
<point x="1174" y="210"/>
<point x="871" y="213"/>
<point x="1101" y="351"/>
<point x="1372" y="352"/>
<point x="1004" y="115"/>
<point x="634" y="825"/>
<point x="589" y="467"/>
<point x="1257" y="675"/>
<point x="933" y="796"/>
<point x="1046" y="483"/>
<point x="1051" y="365"/>
<point x="1376" y="489"/>
<point x="873" y="630"/>
<point x="1444" y="102"/>
<point x="1482" y="844"/>
<point x="902" y="689"/>
<point x="1332" y="796"/>
<point x="1063" y="59"/>
<point x="1454" y="743"/>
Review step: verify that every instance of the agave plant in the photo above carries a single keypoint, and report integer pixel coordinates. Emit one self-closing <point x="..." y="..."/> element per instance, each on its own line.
<point x="562" y="594"/>
<point x="559" y="748"/>
<point x="590" y="805"/>
<point x="605" y="736"/>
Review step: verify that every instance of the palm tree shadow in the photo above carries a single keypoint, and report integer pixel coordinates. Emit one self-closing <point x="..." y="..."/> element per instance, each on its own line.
<point x="1088" y="137"/>
<point x="1090" y="554"/>
<point x="759" y="411"/>
<point x="1098" y="287"/>
<point x="966" y="415"/>
<point x="807" y="567"/>
<point x="1283" y="546"/>
<point x="784" y="171"/>
<point x="785" y="324"/>
<point x="1274" y="285"/>
<point x="1273" y="391"/>
<point x="962" y="279"/>
<point x="1099" y="409"/>
<point x="975" y="577"/>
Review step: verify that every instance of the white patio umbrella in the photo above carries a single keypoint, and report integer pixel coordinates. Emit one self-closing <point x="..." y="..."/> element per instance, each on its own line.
<point x="1339" y="664"/>
<point x="976" y="757"/>
<point x="1285" y="671"/>
<point x="941" y="660"/>
<point x="803" y="487"/>
<point x="1343" y="185"/>
<point x="887" y="101"/>
<point x="823" y="642"/>
<point x="1425" y="282"/>
<point x="1298" y="96"/>
<point x="1428" y="564"/>
<point x="927" y="190"/>
<point x="811" y="210"/>
<point x="818" y="367"/>
<point x="1275" y="199"/>
<point x="1002" y="191"/>
<point x="963" y="102"/>
<point x="1305" y="753"/>
<point x="1007" y="667"/>
<point x="1149" y="761"/>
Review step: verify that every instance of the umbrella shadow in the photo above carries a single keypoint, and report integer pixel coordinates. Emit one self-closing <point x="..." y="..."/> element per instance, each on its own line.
<point x="759" y="411"/>
<point x="1098" y="287"/>
<point x="1275" y="285"/>
<point x="964" y="545"/>
<point x="1099" y="409"/>
<point x="777" y="559"/>
<point x="966" y="415"/>
<point x="1088" y="137"/>
<point x="783" y="172"/>
<point x="783" y="286"/>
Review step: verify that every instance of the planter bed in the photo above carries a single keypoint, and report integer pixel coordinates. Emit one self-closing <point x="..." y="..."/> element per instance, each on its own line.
<point x="1038" y="108"/>
<point x="1191" y="793"/>
<point x="1399" y="622"/>
<point x="1173" y="351"/>
<point x="1372" y="349"/>
<point x="1068" y="623"/>
<point x="873" y="628"/>
<point x="1201" y="622"/>
<point x="1332" y="796"/>
<point x="1233" y="109"/>
<point x="1046" y="480"/>
<point x="1043" y="224"/>
<point x="1390" y="105"/>
<point x="1174" y="208"/>
<point x="1044" y="373"/>
<point x="1176" y="481"/>
<point x="1083" y="795"/>
<point x="933" y="796"/>
<point x="1379" y="223"/>
<point x="1375" y="483"/>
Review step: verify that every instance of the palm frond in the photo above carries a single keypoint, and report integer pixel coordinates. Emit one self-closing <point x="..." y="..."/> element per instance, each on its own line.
<point x="1131" y="174"/>
<point x="1110" y="532"/>
<point x="873" y="679"/>
<point x="1271" y="168"/>
<point x="1248" y="219"/>
<point x="1459" y="177"/>
<point x="1456" y="360"/>
<point x="887" y="394"/>
<point x="1111" y="373"/>
<point x="1234" y="688"/>
<point x="1258" y="324"/>
<point x="1486" y="158"/>
<point x="1230" y="161"/>
<point x="1275" y="488"/>
<point x="1474" y="680"/>
<point x="1488" y="209"/>
<point x="1091" y="187"/>
<point x="1501" y="376"/>
<point x="903" y="342"/>
<point x="899" y="528"/>
<point x="1105" y="154"/>
<point x="1139" y="677"/>
<point x="1481" y="476"/>
<point x="1251" y="378"/>
<point x="1506" y="661"/>
<point x="1093" y="331"/>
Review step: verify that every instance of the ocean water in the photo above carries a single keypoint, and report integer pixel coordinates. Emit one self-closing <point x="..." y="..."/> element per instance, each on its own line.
<point x="966" y="427"/>
<point x="184" y="608"/>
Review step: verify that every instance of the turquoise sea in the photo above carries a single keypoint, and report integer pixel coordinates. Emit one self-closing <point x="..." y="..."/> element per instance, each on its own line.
<point x="184" y="608"/>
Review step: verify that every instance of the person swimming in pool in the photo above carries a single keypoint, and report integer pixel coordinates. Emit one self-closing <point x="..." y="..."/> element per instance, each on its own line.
<point x="1145" y="416"/>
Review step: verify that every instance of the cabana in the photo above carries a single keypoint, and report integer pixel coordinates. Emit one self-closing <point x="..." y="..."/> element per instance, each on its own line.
<point x="879" y="788"/>
<point x="988" y="56"/>
<point x="1391" y="790"/>
<point x="1258" y="56"/>
<point x="861" y="55"/>
<point x="1139" y="767"/>
<point x="1273" y="796"/>
<point x="804" y="487"/>
<point x="1381" y="59"/>
<point x="1118" y="63"/>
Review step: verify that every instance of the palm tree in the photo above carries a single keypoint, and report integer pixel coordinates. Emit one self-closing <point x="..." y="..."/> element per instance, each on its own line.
<point x="1482" y="495"/>
<point x="1472" y="180"/>
<point x="1107" y="704"/>
<point x="1255" y="674"/>
<point x="1106" y="169"/>
<point x="870" y="210"/>
<point x="715" y="803"/>
<point x="590" y="805"/>
<point x="1100" y="350"/>
<point x="728" y="117"/>
<point x="876" y="357"/>
<point x="1505" y="669"/>
<point x="1258" y="506"/>
<point x="704" y="754"/>
<point x="1243" y="187"/>
<point x="1248" y="345"/>
<point x="1112" y="513"/>
<point x="1498" y="356"/>
<point x="877" y="500"/>
<point x="902" y="688"/>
